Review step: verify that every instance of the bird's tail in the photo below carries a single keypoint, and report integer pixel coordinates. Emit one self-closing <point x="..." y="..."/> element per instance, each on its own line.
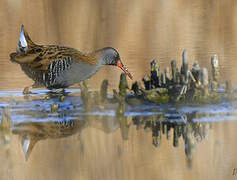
<point x="25" y="42"/>
<point x="24" y="45"/>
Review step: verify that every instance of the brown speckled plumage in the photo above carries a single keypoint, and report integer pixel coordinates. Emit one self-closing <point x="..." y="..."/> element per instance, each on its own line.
<point x="58" y="66"/>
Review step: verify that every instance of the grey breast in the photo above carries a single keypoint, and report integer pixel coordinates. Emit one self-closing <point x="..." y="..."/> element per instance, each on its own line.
<point x="78" y="72"/>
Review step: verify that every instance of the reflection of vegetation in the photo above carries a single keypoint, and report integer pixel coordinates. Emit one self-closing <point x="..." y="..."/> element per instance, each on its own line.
<point x="190" y="132"/>
<point x="184" y="86"/>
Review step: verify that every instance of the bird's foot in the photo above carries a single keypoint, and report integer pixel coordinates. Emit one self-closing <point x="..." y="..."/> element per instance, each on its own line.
<point x="26" y="90"/>
<point x="56" y="93"/>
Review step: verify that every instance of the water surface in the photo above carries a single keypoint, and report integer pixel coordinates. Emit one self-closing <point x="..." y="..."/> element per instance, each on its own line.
<point x="147" y="142"/>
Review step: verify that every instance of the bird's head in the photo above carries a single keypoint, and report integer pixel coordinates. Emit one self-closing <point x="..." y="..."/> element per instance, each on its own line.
<point x="110" y="56"/>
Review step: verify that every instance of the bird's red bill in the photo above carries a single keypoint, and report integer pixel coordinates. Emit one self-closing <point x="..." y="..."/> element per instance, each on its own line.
<point x="125" y="70"/>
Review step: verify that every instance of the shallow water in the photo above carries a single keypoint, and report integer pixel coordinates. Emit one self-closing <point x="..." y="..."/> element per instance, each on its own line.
<point x="147" y="142"/>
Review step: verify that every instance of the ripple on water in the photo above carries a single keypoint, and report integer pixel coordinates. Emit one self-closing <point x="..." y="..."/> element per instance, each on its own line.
<point x="35" y="108"/>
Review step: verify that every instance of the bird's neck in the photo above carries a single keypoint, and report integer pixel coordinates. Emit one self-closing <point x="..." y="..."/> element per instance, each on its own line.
<point x="107" y="56"/>
<point x="101" y="57"/>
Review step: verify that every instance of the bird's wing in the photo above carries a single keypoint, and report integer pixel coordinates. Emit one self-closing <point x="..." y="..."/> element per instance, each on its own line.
<point x="44" y="57"/>
<point x="40" y="57"/>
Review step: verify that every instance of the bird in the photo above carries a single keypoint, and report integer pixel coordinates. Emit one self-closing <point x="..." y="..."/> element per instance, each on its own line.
<point x="58" y="67"/>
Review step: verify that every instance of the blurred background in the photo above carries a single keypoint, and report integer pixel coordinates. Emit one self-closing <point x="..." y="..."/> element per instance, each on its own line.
<point x="140" y="30"/>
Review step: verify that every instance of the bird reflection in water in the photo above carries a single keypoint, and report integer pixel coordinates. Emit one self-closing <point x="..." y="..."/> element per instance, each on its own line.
<point x="163" y="124"/>
<point x="5" y="127"/>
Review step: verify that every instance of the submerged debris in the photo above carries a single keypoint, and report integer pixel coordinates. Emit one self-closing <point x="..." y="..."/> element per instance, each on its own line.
<point x="228" y="87"/>
<point x="185" y="85"/>
<point x="155" y="77"/>
<point x="104" y="90"/>
<point x="85" y="96"/>
<point x="215" y="72"/>
<point x="123" y="85"/>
